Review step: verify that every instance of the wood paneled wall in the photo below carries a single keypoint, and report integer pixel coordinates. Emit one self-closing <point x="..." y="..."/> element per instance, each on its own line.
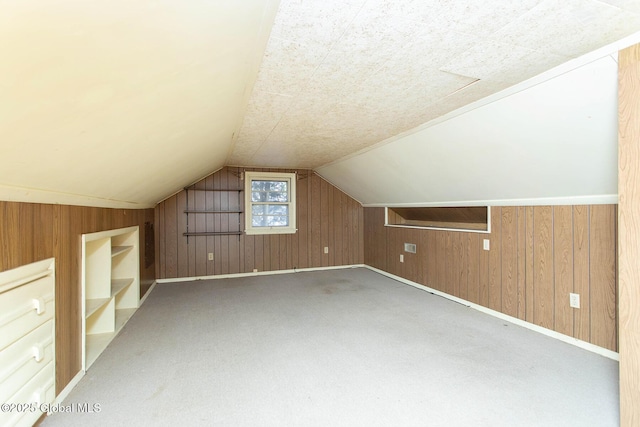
<point x="326" y="217"/>
<point x="629" y="233"/>
<point x="31" y="232"/>
<point x="537" y="256"/>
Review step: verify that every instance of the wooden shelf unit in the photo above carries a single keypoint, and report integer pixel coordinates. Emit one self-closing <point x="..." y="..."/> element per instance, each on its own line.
<point x="110" y="287"/>
<point x="238" y="212"/>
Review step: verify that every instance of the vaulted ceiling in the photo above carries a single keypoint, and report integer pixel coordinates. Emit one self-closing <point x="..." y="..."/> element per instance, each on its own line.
<point x="123" y="103"/>
<point x="339" y="76"/>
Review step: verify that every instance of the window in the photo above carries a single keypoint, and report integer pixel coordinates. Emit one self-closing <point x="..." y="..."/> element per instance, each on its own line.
<point x="270" y="203"/>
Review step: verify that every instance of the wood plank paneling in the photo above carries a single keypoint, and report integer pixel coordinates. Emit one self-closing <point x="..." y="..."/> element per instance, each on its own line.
<point x="11" y="245"/>
<point x="316" y="222"/>
<point x="509" y="248"/>
<point x="325" y="223"/>
<point x="581" y="317"/>
<point x="483" y="279"/>
<point x="170" y="236"/>
<point x="325" y="216"/>
<point x="543" y="286"/>
<point x="629" y="232"/>
<point x="529" y="294"/>
<point x="495" y="257"/>
<point x="441" y="261"/>
<point x="474" y="245"/>
<point x="460" y="254"/>
<point x="521" y="262"/>
<point x="537" y="256"/>
<point x="602" y="276"/>
<point x="302" y="210"/>
<point x="563" y="267"/>
<point x="31" y="232"/>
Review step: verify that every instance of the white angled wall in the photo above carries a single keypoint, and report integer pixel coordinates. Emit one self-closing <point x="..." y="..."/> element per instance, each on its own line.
<point x="552" y="143"/>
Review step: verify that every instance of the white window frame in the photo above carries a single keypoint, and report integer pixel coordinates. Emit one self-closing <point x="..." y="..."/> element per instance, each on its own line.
<point x="249" y="177"/>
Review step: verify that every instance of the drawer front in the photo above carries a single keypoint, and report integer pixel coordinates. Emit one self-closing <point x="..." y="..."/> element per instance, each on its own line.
<point x="24" y="308"/>
<point x="40" y="390"/>
<point x="23" y="359"/>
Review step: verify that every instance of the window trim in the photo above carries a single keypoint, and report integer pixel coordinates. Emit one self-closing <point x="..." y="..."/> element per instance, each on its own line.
<point x="269" y="176"/>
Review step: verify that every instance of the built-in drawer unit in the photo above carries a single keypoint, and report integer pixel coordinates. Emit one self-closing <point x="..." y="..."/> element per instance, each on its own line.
<point x="27" y="342"/>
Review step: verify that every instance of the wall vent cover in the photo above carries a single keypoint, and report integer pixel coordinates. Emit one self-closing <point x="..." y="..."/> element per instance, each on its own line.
<point x="410" y="247"/>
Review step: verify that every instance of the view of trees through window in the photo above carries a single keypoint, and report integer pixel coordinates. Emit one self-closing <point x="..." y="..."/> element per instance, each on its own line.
<point x="270" y="203"/>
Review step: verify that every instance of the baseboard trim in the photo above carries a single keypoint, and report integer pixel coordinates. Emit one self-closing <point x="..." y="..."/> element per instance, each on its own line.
<point x="256" y="273"/>
<point x="553" y="334"/>
<point x="65" y="391"/>
<point x="144" y="297"/>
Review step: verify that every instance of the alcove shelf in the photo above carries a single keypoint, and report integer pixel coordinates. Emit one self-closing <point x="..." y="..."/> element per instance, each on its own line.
<point x="233" y="214"/>
<point x="465" y="218"/>
<point x="110" y="287"/>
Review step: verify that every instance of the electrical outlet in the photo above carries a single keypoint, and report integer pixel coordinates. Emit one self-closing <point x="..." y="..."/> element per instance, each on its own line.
<point x="210" y="256"/>
<point x="401" y="258"/>
<point x="485" y="244"/>
<point x="326" y="249"/>
<point x="574" y="300"/>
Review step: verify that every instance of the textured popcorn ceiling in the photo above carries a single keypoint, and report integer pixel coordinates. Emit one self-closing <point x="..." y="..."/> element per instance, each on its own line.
<point x="338" y="76"/>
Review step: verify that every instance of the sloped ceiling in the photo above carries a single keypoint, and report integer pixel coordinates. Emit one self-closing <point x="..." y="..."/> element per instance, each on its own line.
<point x="341" y="75"/>
<point x="120" y="103"/>
<point x="123" y="103"/>
<point x="554" y="142"/>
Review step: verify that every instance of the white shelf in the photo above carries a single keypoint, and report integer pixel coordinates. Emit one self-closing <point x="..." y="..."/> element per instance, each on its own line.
<point x="117" y="250"/>
<point x="117" y="285"/>
<point x="93" y="305"/>
<point x="110" y="286"/>
<point x="97" y="343"/>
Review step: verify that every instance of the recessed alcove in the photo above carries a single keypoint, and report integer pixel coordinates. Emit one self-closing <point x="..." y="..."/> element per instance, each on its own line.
<point x="465" y="218"/>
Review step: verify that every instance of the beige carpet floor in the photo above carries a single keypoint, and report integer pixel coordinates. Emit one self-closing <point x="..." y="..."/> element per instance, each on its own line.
<point x="335" y="348"/>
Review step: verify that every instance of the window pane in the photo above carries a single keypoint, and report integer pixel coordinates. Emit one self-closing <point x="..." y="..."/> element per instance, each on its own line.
<point x="259" y="185"/>
<point x="258" y="196"/>
<point x="280" y="186"/>
<point x="277" y="197"/>
<point x="259" y="221"/>
<point x="277" y="221"/>
<point x="277" y="209"/>
<point x="258" y="209"/>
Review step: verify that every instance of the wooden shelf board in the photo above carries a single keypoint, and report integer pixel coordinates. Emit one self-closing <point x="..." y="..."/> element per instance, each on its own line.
<point x="205" y="211"/>
<point x="117" y="250"/>
<point x="214" y="190"/>
<point x="93" y="305"/>
<point x="117" y="285"/>
<point x="213" y="233"/>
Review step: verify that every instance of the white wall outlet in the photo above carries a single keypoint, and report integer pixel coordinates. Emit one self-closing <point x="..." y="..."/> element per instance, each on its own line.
<point x="326" y="249"/>
<point x="574" y="300"/>
<point x="401" y="258"/>
<point x="210" y="256"/>
<point x="485" y="244"/>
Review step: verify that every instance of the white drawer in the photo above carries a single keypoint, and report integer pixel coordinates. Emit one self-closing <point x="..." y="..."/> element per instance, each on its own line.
<point x="23" y="359"/>
<point x="24" y="308"/>
<point x="41" y="389"/>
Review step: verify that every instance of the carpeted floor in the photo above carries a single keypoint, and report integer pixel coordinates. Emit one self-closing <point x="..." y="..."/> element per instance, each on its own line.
<point x="335" y="348"/>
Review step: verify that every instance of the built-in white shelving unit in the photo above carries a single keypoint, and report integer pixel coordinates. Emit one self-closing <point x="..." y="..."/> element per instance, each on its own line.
<point x="111" y="287"/>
